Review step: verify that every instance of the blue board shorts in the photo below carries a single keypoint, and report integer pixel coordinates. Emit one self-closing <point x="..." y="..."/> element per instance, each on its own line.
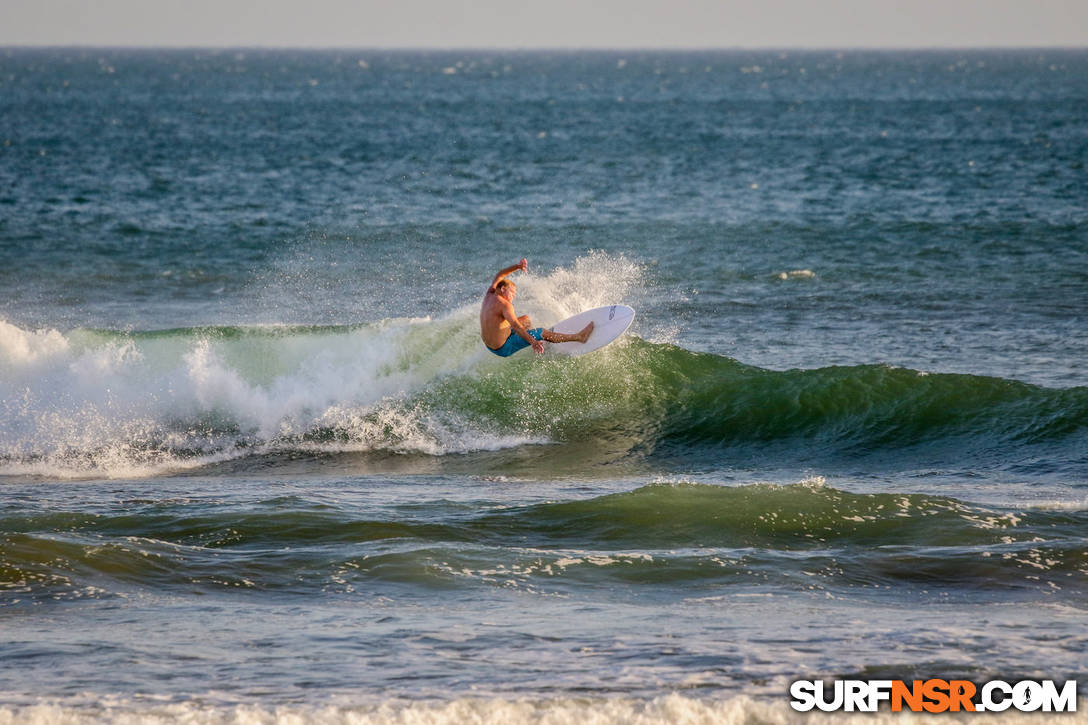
<point x="515" y="342"/>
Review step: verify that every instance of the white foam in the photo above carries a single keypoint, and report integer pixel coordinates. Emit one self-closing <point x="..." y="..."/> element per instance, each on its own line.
<point x="1057" y="505"/>
<point x="20" y="348"/>
<point x="671" y="708"/>
<point x="796" y="274"/>
<point x="88" y="403"/>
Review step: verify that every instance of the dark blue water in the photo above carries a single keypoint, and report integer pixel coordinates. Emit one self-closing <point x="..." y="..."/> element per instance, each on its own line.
<point x="255" y="460"/>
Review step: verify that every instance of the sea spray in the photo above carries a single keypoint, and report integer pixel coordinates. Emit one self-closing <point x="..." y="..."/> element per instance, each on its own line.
<point x="115" y="402"/>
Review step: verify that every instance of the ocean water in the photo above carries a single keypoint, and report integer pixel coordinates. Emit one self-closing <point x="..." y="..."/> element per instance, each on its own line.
<point x="256" y="465"/>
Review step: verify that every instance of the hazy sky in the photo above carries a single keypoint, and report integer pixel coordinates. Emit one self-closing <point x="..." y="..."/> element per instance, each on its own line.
<point x="547" y="23"/>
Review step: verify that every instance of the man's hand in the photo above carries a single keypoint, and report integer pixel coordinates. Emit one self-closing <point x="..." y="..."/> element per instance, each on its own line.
<point x="538" y="346"/>
<point x="523" y="265"/>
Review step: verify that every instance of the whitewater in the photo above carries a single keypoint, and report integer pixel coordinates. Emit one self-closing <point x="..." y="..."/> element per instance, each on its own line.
<point x="131" y="403"/>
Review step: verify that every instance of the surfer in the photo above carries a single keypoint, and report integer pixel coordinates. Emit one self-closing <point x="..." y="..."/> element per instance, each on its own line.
<point x="503" y="332"/>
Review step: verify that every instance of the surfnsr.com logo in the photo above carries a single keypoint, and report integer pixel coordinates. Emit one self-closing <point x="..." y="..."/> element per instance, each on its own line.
<point x="933" y="696"/>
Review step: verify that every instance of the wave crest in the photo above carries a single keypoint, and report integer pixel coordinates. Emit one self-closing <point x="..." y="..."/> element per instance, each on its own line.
<point x="131" y="403"/>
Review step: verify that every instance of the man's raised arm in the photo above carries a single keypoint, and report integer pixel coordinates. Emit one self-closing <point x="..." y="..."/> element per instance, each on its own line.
<point x="522" y="265"/>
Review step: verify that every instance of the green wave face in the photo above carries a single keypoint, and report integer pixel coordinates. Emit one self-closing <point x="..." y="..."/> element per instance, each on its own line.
<point x="797" y="535"/>
<point x="129" y="403"/>
<point x="662" y="398"/>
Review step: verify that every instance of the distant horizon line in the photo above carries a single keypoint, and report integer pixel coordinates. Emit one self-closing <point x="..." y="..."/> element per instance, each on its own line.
<point x="555" y="48"/>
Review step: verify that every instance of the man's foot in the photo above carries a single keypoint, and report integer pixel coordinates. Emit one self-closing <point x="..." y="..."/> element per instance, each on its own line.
<point x="583" y="336"/>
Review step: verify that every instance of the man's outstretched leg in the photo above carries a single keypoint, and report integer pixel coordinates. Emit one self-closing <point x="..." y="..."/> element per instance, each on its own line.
<point x="562" y="337"/>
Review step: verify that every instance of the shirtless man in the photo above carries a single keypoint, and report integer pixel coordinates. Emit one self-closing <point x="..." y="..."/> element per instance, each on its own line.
<point x="503" y="331"/>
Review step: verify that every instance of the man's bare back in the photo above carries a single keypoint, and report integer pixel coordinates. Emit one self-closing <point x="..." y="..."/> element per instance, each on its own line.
<point x="503" y="331"/>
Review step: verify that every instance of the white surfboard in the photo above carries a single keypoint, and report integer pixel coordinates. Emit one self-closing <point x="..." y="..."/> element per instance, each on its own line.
<point x="608" y="323"/>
